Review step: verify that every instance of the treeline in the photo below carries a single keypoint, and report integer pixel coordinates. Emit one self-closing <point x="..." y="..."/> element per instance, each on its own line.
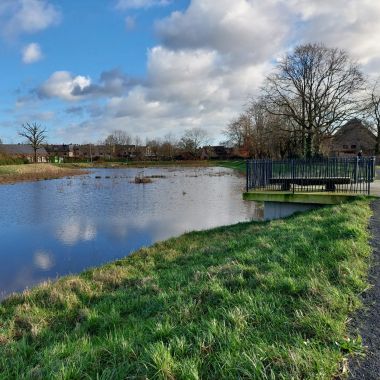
<point x="310" y="94"/>
<point x="169" y="147"/>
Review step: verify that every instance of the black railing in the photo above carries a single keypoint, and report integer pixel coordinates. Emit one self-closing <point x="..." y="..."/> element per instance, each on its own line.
<point x="345" y="175"/>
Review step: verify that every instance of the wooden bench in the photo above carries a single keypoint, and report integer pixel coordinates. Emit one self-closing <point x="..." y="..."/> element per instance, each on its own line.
<point x="329" y="183"/>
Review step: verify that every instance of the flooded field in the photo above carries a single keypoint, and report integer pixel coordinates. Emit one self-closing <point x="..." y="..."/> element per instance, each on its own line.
<point x="57" y="227"/>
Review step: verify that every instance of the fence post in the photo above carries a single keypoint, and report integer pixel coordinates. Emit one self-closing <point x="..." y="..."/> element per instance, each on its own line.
<point x="292" y="166"/>
<point x="369" y="175"/>
<point x="246" y="175"/>
<point x="356" y="170"/>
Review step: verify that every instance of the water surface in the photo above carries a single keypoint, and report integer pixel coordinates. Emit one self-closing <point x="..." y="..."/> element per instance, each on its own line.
<point x="52" y="228"/>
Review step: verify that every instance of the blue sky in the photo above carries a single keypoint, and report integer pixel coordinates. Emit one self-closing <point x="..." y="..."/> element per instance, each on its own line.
<point x="83" y="68"/>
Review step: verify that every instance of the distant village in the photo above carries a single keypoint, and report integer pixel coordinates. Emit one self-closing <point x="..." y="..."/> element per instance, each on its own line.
<point x="353" y="137"/>
<point x="64" y="153"/>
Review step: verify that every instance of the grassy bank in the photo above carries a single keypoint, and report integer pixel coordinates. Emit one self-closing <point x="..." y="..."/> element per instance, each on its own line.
<point x="249" y="301"/>
<point x="239" y="165"/>
<point x="33" y="172"/>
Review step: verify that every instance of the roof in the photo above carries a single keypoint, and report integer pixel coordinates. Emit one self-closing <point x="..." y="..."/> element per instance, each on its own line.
<point x="354" y="124"/>
<point x="57" y="148"/>
<point x="21" y="149"/>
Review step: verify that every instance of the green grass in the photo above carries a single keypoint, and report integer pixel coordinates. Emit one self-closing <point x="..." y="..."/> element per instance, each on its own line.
<point x="249" y="301"/>
<point x="239" y="165"/>
<point x="6" y="160"/>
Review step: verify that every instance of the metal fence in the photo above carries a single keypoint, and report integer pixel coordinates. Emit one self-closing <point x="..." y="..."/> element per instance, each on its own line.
<point x="345" y="175"/>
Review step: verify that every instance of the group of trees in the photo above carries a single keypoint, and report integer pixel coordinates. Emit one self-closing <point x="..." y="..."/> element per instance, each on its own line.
<point x="310" y="94"/>
<point x="169" y="146"/>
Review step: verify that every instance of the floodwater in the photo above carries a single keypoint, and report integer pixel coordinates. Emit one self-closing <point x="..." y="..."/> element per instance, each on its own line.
<point x="57" y="227"/>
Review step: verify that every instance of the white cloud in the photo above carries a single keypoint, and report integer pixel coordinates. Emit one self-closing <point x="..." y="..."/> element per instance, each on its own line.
<point x="349" y="24"/>
<point x="212" y="56"/>
<point x="31" y="53"/>
<point x="26" y="16"/>
<point x="241" y="30"/>
<point x="136" y="4"/>
<point x="62" y="84"/>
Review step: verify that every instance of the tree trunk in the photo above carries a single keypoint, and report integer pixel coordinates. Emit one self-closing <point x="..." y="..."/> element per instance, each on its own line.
<point x="309" y="145"/>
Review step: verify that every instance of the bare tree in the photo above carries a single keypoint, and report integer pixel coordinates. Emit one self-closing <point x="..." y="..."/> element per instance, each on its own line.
<point x="193" y="139"/>
<point x="239" y="131"/>
<point x="35" y="134"/>
<point x="372" y="111"/>
<point x="168" y="146"/>
<point x="317" y="88"/>
<point x="262" y="134"/>
<point x="154" y="146"/>
<point x="116" y="139"/>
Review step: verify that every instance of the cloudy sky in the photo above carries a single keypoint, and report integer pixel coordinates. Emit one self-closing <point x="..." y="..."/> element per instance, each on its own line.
<point x="151" y="67"/>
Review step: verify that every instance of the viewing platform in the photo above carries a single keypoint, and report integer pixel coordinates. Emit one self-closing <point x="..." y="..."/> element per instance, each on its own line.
<point x="289" y="186"/>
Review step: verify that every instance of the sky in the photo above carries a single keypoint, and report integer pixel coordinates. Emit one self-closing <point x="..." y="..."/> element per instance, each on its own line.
<point x="84" y="68"/>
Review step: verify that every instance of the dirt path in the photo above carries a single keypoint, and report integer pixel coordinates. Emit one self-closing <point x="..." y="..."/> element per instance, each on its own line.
<point x="367" y="320"/>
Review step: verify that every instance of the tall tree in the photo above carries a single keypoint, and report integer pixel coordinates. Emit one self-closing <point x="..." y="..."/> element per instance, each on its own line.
<point x="193" y="139"/>
<point x="115" y="139"/>
<point x="372" y="110"/>
<point x="239" y="131"/>
<point x="168" y="146"/>
<point x="35" y="134"/>
<point x="317" y="88"/>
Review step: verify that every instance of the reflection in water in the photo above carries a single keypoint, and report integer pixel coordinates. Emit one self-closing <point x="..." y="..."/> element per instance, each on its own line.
<point x="74" y="231"/>
<point x="43" y="260"/>
<point x="52" y="228"/>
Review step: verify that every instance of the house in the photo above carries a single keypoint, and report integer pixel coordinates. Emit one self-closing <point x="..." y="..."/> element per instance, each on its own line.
<point x="58" y="153"/>
<point x="241" y="153"/>
<point x="24" y="151"/>
<point x="349" y="140"/>
<point x="218" y="152"/>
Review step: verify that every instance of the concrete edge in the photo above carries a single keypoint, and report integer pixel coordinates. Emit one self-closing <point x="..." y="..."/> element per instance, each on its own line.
<point x="311" y="198"/>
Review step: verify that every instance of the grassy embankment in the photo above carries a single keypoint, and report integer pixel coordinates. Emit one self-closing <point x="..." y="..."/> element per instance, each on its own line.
<point x="33" y="172"/>
<point x="239" y="165"/>
<point x="250" y="301"/>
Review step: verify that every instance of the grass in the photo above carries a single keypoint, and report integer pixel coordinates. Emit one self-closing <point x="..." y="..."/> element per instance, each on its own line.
<point x="32" y="172"/>
<point x="249" y="301"/>
<point x="239" y="165"/>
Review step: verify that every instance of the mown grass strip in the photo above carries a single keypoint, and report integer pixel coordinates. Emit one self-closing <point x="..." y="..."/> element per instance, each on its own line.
<point x="239" y="165"/>
<point x="249" y="301"/>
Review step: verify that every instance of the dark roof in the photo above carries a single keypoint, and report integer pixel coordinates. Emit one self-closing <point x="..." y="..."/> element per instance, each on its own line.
<point x="21" y="149"/>
<point x="57" y="148"/>
<point x="354" y="124"/>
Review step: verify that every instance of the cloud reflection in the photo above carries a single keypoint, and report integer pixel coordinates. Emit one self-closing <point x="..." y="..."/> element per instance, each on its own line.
<point x="75" y="231"/>
<point x="43" y="260"/>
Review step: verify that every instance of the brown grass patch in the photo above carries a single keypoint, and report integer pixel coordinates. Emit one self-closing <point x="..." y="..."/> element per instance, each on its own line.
<point x="35" y="172"/>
